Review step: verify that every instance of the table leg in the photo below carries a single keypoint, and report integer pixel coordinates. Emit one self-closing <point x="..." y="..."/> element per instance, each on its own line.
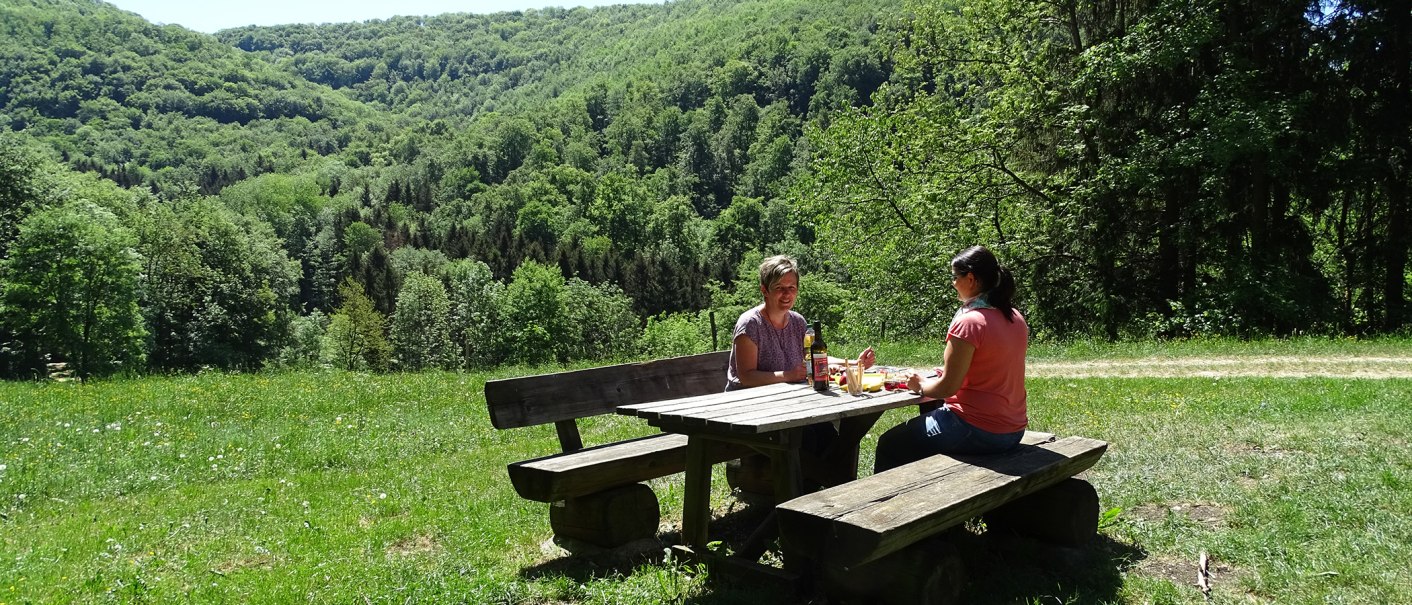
<point x="842" y="456"/>
<point x="696" y="508"/>
<point x="789" y="484"/>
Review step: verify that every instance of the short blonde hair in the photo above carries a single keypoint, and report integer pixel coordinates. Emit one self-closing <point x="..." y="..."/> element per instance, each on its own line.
<point x="775" y="268"/>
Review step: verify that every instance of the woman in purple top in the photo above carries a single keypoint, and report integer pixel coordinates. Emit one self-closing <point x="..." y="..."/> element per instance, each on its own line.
<point x="767" y="345"/>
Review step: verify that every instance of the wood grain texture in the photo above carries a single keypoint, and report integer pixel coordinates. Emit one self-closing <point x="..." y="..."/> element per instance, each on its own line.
<point x="863" y="520"/>
<point x="763" y="409"/>
<point x="561" y="476"/>
<point x="534" y="400"/>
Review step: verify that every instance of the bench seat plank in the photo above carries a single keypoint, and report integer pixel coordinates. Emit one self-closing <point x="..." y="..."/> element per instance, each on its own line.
<point x="862" y="520"/>
<point x="562" y="476"/>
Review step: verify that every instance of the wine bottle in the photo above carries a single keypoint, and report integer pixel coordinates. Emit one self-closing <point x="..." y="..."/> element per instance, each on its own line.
<point x="819" y="355"/>
<point x="808" y="356"/>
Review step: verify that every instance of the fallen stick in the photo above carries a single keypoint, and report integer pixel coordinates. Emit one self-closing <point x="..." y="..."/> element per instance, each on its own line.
<point x="1203" y="575"/>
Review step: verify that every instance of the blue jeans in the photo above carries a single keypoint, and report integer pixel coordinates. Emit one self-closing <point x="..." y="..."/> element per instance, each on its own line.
<point x="939" y="431"/>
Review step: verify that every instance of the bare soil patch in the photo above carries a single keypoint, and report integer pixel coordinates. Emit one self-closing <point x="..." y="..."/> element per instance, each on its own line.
<point x="413" y="545"/>
<point x="1219" y="367"/>
<point x="1183" y="573"/>
<point x="1208" y="515"/>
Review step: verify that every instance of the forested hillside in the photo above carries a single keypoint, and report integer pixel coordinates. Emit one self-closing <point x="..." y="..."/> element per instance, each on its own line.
<point x="629" y="157"/>
<point x="466" y="190"/>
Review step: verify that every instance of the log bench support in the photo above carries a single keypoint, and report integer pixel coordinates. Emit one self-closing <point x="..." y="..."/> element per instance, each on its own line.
<point x="613" y="516"/>
<point x="882" y="539"/>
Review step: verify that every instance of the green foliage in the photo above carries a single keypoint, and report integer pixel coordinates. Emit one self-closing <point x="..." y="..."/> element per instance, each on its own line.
<point x="302" y="348"/>
<point x="408" y="260"/>
<point x="1166" y="168"/>
<point x="421" y="328"/>
<point x="1138" y="169"/>
<point x="360" y="239"/>
<point x="356" y="337"/>
<point x="533" y="324"/>
<point x="21" y="190"/>
<point x="218" y="286"/>
<point x="474" y="298"/>
<point x="674" y="335"/>
<point x="144" y="104"/>
<point x="600" y="319"/>
<point x="71" y="291"/>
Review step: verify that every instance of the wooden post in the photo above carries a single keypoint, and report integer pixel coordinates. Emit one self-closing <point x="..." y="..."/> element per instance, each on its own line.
<point x="714" y="345"/>
<point x="696" y="505"/>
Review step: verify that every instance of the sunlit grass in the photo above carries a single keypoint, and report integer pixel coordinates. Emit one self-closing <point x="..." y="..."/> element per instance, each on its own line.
<point x="335" y="487"/>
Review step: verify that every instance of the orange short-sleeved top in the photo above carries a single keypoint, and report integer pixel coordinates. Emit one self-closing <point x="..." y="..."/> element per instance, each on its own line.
<point x="992" y="397"/>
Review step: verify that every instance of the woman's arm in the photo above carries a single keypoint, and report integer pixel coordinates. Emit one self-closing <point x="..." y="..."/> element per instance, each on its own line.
<point x="956" y="361"/>
<point x="747" y="357"/>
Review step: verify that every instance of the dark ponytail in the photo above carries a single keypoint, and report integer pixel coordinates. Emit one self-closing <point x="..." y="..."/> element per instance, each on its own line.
<point x="996" y="282"/>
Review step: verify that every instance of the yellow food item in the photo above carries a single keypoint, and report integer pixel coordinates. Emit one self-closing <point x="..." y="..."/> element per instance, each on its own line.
<point x="872" y="383"/>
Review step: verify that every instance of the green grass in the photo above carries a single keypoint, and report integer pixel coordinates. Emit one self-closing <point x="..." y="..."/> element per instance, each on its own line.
<point x="334" y="487"/>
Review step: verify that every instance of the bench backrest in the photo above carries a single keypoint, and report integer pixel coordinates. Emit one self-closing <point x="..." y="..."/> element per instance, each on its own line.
<point x="566" y="396"/>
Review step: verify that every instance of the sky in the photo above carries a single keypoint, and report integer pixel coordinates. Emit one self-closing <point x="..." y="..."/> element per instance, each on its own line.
<point x="210" y="17"/>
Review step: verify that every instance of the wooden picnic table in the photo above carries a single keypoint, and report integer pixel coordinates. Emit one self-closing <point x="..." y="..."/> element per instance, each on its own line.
<point x="771" y="419"/>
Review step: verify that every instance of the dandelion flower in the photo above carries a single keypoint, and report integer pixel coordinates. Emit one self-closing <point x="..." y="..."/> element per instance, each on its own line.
<point x="382" y="496"/>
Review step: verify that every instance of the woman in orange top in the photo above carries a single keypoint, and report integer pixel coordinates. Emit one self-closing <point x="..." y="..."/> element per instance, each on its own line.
<point x="982" y="381"/>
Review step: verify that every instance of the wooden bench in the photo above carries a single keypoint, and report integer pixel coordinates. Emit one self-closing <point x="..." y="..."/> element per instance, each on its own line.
<point x="875" y="539"/>
<point x="594" y="492"/>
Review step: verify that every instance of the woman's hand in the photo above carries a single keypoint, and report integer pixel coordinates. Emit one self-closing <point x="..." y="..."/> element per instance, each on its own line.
<point x="914" y="383"/>
<point x="797" y="374"/>
<point x="867" y="358"/>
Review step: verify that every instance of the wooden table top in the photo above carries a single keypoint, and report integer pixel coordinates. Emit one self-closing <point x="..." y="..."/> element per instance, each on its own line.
<point x="763" y="409"/>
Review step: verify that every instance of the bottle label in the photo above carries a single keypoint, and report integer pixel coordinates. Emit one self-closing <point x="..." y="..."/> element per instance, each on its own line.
<point x="821" y="367"/>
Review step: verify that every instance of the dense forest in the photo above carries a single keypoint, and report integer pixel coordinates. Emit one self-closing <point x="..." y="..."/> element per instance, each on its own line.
<point x="549" y="185"/>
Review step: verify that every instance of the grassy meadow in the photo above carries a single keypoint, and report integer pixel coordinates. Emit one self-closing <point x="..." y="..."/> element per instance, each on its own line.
<point x="349" y="488"/>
